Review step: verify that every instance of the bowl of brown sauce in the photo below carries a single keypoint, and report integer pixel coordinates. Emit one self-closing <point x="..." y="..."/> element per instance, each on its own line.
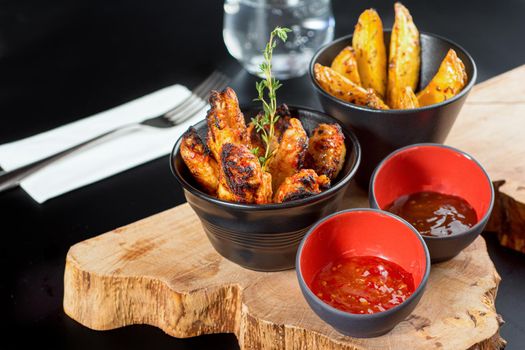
<point x="443" y="192"/>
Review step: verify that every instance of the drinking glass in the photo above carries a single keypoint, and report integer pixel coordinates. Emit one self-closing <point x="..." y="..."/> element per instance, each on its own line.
<point x="248" y="23"/>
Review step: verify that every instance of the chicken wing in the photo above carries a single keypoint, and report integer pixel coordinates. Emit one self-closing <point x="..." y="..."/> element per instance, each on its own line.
<point x="199" y="161"/>
<point x="327" y="150"/>
<point x="289" y="154"/>
<point x="265" y="193"/>
<point x="241" y="178"/>
<point x="283" y="112"/>
<point x="255" y="139"/>
<point x="225" y="121"/>
<point x="304" y="184"/>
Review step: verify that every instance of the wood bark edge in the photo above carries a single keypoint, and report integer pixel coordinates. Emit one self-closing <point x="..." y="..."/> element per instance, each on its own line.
<point x="507" y="219"/>
<point x="143" y="300"/>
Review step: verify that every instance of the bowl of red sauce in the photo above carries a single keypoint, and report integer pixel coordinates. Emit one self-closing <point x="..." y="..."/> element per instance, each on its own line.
<point x="443" y="192"/>
<point x="362" y="270"/>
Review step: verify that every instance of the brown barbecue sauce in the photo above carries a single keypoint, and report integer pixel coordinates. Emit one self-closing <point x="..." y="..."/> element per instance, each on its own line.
<point x="435" y="214"/>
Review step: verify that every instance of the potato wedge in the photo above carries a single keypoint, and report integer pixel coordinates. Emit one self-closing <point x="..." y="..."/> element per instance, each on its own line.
<point x="346" y="64"/>
<point x="406" y="99"/>
<point x="450" y="79"/>
<point x="374" y="101"/>
<point x="338" y="86"/>
<point x="405" y="56"/>
<point x="370" y="52"/>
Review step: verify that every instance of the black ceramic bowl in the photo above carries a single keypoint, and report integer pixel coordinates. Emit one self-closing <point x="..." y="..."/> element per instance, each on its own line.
<point x="439" y="168"/>
<point x="265" y="237"/>
<point x="382" y="131"/>
<point x="362" y="232"/>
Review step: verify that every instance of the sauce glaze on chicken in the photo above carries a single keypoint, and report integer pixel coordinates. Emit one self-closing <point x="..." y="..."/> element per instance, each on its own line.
<point x="227" y="165"/>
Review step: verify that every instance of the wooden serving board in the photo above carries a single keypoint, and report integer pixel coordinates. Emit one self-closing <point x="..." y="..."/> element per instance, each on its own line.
<point x="163" y="271"/>
<point x="491" y="127"/>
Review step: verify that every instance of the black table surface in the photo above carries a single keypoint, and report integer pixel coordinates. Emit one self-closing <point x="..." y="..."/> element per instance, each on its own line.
<point x="63" y="60"/>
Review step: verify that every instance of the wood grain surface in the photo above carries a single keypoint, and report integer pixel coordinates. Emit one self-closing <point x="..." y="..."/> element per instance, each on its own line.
<point x="163" y="271"/>
<point x="491" y="127"/>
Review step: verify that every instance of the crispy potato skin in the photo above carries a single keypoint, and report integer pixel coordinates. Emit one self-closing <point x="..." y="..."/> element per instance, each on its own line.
<point x="289" y="156"/>
<point x="370" y="52"/>
<point x="450" y="79"/>
<point x="241" y="178"/>
<point x="327" y="150"/>
<point x="407" y="99"/>
<point x="338" y="86"/>
<point x="199" y="161"/>
<point x="304" y="184"/>
<point x="346" y="64"/>
<point x="374" y="101"/>
<point x="405" y="56"/>
<point x="225" y="121"/>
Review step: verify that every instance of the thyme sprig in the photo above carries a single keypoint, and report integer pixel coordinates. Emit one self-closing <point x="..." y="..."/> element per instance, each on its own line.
<point x="269" y="102"/>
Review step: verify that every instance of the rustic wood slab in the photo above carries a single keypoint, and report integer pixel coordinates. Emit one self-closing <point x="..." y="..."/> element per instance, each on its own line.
<point x="163" y="271"/>
<point x="491" y="127"/>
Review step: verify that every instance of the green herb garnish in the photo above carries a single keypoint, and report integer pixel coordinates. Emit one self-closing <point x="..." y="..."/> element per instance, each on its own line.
<point x="269" y="83"/>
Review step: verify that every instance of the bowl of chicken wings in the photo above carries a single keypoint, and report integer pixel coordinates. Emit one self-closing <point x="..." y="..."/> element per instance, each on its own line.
<point x="256" y="216"/>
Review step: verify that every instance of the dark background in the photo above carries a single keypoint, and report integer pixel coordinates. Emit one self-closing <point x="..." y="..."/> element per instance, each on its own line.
<point x="63" y="60"/>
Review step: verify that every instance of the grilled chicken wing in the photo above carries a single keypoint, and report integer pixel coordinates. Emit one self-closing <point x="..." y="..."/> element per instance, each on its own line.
<point x="199" y="161"/>
<point x="225" y="121"/>
<point x="255" y="140"/>
<point x="265" y="192"/>
<point x="327" y="150"/>
<point x="289" y="155"/>
<point x="304" y="184"/>
<point x="241" y="178"/>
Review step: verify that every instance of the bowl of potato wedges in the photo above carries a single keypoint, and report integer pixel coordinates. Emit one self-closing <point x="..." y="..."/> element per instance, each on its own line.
<point x="392" y="87"/>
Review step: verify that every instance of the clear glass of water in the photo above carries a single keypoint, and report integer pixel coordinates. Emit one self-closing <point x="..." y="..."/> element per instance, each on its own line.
<point x="248" y="23"/>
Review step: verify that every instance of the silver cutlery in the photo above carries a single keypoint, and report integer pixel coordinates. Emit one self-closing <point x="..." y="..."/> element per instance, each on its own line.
<point x="186" y="109"/>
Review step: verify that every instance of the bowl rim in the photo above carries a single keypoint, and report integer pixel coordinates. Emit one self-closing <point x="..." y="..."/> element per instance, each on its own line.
<point x="481" y="222"/>
<point x="273" y="206"/>
<point x="462" y="93"/>
<point x="376" y="315"/>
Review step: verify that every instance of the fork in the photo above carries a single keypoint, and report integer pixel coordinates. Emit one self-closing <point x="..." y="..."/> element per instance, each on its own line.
<point x="186" y="109"/>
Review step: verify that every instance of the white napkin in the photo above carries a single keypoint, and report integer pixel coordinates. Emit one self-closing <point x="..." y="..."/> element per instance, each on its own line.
<point x="104" y="159"/>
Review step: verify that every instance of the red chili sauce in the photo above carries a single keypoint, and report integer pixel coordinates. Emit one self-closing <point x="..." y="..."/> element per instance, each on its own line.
<point x="363" y="284"/>
<point x="435" y="214"/>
